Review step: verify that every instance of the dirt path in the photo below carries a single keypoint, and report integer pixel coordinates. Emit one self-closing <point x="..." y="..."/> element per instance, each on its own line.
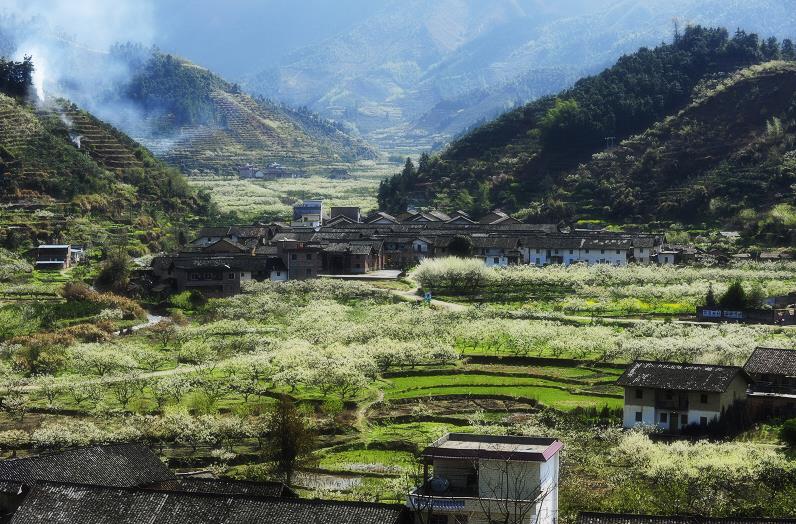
<point x="151" y="320"/>
<point x="412" y="296"/>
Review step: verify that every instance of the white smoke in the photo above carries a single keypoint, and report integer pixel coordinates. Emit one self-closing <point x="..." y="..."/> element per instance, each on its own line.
<point x="69" y="41"/>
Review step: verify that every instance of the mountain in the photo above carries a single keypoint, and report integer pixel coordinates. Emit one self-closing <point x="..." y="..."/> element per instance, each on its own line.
<point x="186" y="114"/>
<point x="67" y="176"/>
<point x="414" y="74"/>
<point x="698" y="125"/>
<point x="194" y="119"/>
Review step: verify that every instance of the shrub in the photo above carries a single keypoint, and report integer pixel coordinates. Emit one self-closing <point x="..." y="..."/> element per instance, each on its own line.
<point x="788" y="432"/>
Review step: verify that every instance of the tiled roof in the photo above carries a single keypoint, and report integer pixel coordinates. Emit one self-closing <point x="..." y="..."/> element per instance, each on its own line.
<point x="772" y="361"/>
<point x="118" y="465"/>
<point x="79" y="504"/>
<point x="223" y="487"/>
<point x="683" y="377"/>
<point x="612" y="518"/>
<point x="220" y="231"/>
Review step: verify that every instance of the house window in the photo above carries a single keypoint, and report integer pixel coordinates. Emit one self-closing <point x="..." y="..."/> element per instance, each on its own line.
<point x="602" y="251"/>
<point x="683" y="420"/>
<point x="638" y="416"/>
<point x="231" y="276"/>
<point x="703" y="398"/>
<point x="309" y="272"/>
<point x="587" y="251"/>
<point x="639" y="393"/>
<point x="538" y="251"/>
<point x="703" y="421"/>
<point x="294" y="257"/>
<point x="571" y="252"/>
<point x="641" y="250"/>
<point x="496" y="260"/>
<point x="664" y="418"/>
<point x="556" y="251"/>
<point x="665" y="260"/>
<point x="617" y="251"/>
<point x="538" y="262"/>
<point x="279" y="273"/>
<point x="309" y="256"/>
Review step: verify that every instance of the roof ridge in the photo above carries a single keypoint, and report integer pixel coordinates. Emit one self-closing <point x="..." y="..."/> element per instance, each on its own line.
<point x="51" y="453"/>
<point x="685" y="364"/>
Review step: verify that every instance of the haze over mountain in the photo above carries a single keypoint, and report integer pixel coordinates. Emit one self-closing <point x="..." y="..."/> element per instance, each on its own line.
<point x="418" y="69"/>
<point x="407" y="75"/>
<point x="188" y="115"/>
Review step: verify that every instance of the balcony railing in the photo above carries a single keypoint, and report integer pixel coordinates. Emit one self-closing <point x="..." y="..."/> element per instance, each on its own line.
<point x="674" y="404"/>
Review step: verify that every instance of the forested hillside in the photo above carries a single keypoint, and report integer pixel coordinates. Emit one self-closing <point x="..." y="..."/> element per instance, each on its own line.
<point x="197" y="120"/>
<point x="528" y="158"/>
<point x="62" y="170"/>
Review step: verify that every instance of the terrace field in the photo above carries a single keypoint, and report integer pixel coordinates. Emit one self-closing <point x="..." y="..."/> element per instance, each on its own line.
<point x="376" y="377"/>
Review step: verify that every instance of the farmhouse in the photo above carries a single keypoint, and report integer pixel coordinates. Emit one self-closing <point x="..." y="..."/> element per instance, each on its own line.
<point x="486" y="478"/>
<point x="127" y="484"/>
<point x="674" y="396"/>
<point x="120" y="465"/>
<point x="773" y="390"/>
<point x="58" y="256"/>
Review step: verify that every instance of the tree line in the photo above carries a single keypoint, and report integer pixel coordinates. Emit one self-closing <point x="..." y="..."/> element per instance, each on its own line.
<point x="16" y="78"/>
<point x="524" y="155"/>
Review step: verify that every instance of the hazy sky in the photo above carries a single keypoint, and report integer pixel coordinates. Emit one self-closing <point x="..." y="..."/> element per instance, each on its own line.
<point x="229" y="35"/>
<point x="224" y="35"/>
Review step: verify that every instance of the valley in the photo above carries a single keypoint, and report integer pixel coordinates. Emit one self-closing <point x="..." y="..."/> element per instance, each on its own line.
<point x="424" y="263"/>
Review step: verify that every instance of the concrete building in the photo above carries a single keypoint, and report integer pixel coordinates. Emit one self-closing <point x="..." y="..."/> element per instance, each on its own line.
<point x="480" y="479"/>
<point x="673" y="396"/>
<point x="58" y="256"/>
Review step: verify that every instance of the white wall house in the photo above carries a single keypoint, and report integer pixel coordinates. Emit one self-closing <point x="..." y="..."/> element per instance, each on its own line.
<point x="487" y="478"/>
<point x="673" y="396"/>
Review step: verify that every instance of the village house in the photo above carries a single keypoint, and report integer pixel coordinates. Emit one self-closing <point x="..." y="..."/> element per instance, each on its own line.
<point x="673" y="396"/>
<point x="773" y="389"/>
<point x="479" y="479"/>
<point x="126" y="483"/>
<point x="308" y="214"/>
<point x="58" y="256"/>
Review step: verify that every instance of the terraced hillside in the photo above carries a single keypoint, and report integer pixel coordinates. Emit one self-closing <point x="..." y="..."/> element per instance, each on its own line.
<point x="204" y="123"/>
<point x="67" y="176"/>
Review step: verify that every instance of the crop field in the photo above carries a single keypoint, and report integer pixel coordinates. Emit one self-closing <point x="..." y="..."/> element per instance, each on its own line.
<point x="273" y="199"/>
<point x="376" y="378"/>
<point x="599" y="290"/>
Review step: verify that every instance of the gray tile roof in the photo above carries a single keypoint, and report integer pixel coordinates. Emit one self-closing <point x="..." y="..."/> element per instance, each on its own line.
<point x="772" y="361"/>
<point x="612" y="518"/>
<point x="682" y="377"/>
<point x="79" y="504"/>
<point x="223" y="487"/>
<point x="118" y="465"/>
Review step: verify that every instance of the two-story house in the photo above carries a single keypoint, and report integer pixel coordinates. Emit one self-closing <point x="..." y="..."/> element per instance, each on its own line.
<point x="773" y="389"/>
<point x="480" y="479"/>
<point x="673" y="396"/>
